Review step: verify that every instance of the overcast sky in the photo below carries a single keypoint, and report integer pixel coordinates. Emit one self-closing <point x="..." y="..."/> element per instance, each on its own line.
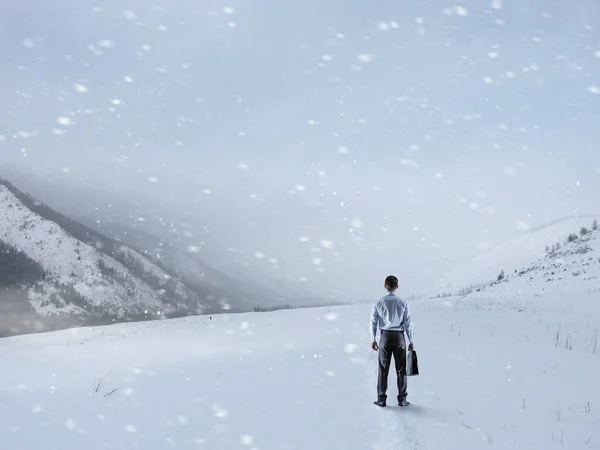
<point x="333" y="142"/>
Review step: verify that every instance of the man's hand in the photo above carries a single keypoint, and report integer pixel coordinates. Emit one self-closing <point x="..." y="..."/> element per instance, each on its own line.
<point x="411" y="347"/>
<point x="374" y="346"/>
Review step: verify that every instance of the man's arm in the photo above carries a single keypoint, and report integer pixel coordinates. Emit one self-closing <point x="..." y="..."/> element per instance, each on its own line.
<point x="407" y="325"/>
<point x="374" y="321"/>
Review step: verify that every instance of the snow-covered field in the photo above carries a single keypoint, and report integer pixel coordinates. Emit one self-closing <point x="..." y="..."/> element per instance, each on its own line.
<point x="518" y="374"/>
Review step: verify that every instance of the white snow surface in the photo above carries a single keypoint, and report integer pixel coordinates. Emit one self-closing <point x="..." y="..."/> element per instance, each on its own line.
<point x="513" y="254"/>
<point x="48" y="244"/>
<point x="521" y="373"/>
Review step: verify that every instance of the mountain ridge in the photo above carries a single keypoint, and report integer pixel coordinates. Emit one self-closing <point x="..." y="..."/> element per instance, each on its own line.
<point x="70" y="272"/>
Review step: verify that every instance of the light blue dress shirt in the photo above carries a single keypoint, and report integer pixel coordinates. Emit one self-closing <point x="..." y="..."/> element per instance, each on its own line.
<point x="390" y="312"/>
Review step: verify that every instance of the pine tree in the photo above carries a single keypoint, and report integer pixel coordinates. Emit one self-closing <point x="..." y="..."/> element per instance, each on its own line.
<point x="501" y="276"/>
<point x="595" y="225"/>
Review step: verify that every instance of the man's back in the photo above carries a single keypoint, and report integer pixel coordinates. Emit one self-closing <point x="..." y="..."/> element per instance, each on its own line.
<point x="391" y="312"/>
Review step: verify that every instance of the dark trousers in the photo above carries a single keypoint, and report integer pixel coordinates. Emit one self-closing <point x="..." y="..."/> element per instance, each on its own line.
<point x="392" y="343"/>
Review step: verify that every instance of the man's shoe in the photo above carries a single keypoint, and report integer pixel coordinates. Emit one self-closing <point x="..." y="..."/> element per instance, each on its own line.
<point x="379" y="403"/>
<point x="403" y="403"/>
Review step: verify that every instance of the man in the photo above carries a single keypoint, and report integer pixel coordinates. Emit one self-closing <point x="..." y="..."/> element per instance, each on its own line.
<point x="391" y="315"/>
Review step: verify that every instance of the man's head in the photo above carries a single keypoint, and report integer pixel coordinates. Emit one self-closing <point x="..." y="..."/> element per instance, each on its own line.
<point x="391" y="283"/>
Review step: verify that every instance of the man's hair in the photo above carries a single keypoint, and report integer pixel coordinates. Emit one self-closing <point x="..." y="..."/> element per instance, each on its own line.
<point x="391" y="282"/>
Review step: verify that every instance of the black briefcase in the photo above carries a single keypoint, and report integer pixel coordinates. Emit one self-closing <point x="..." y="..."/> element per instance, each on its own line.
<point x="412" y="364"/>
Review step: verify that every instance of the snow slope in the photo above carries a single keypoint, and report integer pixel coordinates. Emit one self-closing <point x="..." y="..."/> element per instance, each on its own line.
<point x="519" y="374"/>
<point x="513" y="254"/>
<point x="573" y="268"/>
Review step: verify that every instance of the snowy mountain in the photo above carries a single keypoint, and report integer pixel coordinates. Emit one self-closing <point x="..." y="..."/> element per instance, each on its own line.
<point x="512" y="255"/>
<point x="210" y="266"/>
<point x="570" y="265"/>
<point x="67" y="270"/>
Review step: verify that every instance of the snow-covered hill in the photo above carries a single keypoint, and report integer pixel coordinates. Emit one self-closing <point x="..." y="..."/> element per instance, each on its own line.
<point x="85" y="273"/>
<point x="514" y="254"/>
<point x="569" y="266"/>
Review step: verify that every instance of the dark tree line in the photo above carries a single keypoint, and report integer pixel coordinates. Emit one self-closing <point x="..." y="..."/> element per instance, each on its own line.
<point x="16" y="268"/>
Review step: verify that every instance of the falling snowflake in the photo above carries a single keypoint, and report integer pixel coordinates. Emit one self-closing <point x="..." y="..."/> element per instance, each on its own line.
<point x="182" y="420"/>
<point x="594" y="89"/>
<point x="461" y="10"/>
<point x="356" y="223"/>
<point x="106" y="43"/>
<point x="327" y="244"/>
<point x="64" y="120"/>
<point x="350" y="348"/>
<point x="28" y="42"/>
<point x="220" y="412"/>
<point x="246" y="439"/>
